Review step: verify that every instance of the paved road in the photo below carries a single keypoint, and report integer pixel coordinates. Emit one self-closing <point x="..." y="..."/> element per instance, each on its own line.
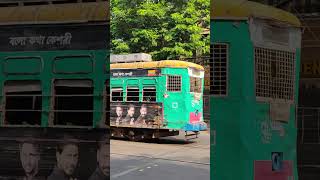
<point x="169" y="159"/>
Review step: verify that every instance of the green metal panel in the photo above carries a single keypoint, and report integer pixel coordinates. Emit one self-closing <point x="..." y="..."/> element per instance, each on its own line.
<point x="117" y="83"/>
<point x="77" y="64"/>
<point x="133" y="82"/>
<point x="179" y="105"/>
<point x="16" y="65"/>
<point x="47" y="75"/>
<point x="237" y="120"/>
<point x="176" y="104"/>
<point x="149" y="81"/>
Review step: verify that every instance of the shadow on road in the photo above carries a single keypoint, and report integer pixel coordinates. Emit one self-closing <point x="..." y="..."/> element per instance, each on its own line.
<point x="167" y="140"/>
<point x="180" y="139"/>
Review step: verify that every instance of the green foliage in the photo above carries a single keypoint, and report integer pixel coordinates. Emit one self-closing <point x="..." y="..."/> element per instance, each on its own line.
<point x="167" y="29"/>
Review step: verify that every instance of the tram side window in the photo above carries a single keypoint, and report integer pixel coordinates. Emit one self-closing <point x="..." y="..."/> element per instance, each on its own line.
<point x="133" y="94"/>
<point x="73" y="102"/>
<point x="116" y="94"/>
<point x="106" y="101"/>
<point x="174" y="83"/>
<point x="149" y="94"/>
<point x="195" y="84"/>
<point x="22" y="103"/>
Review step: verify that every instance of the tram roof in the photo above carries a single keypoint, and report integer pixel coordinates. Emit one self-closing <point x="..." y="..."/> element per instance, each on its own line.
<point x="55" y="13"/>
<point x="243" y="9"/>
<point x="156" y="64"/>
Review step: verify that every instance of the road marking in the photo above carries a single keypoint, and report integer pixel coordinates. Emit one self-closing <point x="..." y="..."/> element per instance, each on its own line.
<point x="131" y="170"/>
<point x="165" y="159"/>
<point x="124" y="172"/>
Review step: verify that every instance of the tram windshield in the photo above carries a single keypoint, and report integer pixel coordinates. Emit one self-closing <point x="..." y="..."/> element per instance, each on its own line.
<point x="196" y="84"/>
<point x="196" y="80"/>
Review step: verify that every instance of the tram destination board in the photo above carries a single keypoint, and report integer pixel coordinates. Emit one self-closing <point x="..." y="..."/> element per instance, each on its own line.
<point x="117" y="73"/>
<point x="54" y="37"/>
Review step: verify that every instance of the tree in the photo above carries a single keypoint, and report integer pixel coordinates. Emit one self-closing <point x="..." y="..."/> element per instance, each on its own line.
<point x="167" y="29"/>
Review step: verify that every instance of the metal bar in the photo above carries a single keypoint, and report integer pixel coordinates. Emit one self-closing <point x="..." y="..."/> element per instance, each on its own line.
<point x="302" y="126"/>
<point x="34" y="110"/>
<point x="318" y="122"/>
<point x="40" y="95"/>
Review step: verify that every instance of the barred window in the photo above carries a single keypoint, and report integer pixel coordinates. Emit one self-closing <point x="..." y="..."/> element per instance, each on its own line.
<point x="275" y="74"/>
<point x="149" y="94"/>
<point x="106" y="102"/>
<point x="133" y="94"/>
<point x="219" y="69"/>
<point x="195" y="84"/>
<point x="22" y="102"/>
<point x="116" y="94"/>
<point x="73" y="102"/>
<point x="174" y="83"/>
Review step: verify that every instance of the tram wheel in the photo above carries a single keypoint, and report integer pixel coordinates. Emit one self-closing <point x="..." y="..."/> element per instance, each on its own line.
<point x="134" y="136"/>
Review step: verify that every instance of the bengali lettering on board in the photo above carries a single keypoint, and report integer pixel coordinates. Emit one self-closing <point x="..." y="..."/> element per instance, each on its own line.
<point x="41" y="40"/>
<point x="54" y="37"/>
<point x="134" y="72"/>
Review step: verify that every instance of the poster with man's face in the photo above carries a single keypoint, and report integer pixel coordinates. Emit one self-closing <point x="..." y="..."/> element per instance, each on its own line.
<point x="136" y="114"/>
<point x="54" y="153"/>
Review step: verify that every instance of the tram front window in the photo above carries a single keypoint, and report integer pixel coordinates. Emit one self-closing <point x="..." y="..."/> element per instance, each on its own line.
<point x="195" y="84"/>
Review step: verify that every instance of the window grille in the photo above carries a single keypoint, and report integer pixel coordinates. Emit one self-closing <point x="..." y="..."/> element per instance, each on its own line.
<point x="106" y="101"/>
<point x="73" y="102"/>
<point x="116" y="94"/>
<point x="174" y="83"/>
<point x="219" y="69"/>
<point x="149" y="94"/>
<point x="22" y="102"/>
<point x="275" y="74"/>
<point x="133" y="94"/>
